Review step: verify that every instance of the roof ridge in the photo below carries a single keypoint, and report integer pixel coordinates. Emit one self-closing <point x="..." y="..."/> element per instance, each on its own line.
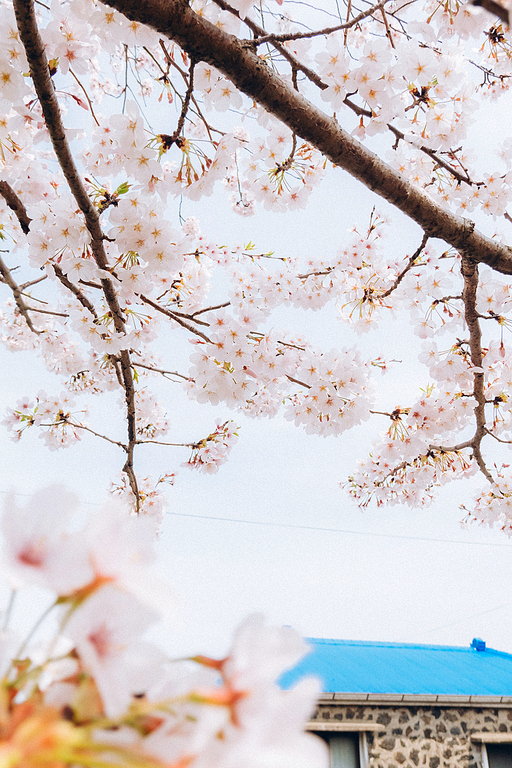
<point x="396" y="644"/>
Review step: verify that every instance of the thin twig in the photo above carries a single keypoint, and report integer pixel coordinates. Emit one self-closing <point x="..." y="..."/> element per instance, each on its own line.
<point x="82" y="298"/>
<point x="452" y="448"/>
<point x="86" y="96"/>
<point x="18" y="298"/>
<point x="161" y="371"/>
<point x="174" y="317"/>
<point x="499" y="439"/>
<point x="161" y="442"/>
<point x="96" y="434"/>
<point x="326" y="31"/>
<point x="388" y="30"/>
<point x="28" y="284"/>
<point x="410" y="264"/>
<point x="48" y="312"/>
<point x="298" y="381"/>
<point x="186" y="316"/>
<point x="210" y="309"/>
<point x="186" y="103"/>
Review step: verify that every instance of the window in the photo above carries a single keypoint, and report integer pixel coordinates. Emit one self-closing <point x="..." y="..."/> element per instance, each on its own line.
<point x="347" y="748"/>
<point x="343" y="750"/>
<point x="496" y="749"/>
<point x="498" y="755"/>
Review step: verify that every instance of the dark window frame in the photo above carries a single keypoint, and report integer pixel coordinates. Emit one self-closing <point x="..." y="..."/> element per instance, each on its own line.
<point x="356" y="731"/>
<point x="488" y="763"/>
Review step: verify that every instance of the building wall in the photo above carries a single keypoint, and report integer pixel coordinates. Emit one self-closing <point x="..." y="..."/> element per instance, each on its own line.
<point x="421" y="736"/>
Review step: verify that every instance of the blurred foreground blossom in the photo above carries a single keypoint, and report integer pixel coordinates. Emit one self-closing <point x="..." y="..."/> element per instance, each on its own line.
<point x="100" y="695"/>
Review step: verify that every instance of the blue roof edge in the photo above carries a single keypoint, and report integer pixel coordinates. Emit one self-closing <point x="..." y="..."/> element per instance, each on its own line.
<point x="391" y="644"/>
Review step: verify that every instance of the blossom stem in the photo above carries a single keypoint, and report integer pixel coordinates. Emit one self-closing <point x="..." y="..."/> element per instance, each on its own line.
<point x="8" y="610"/>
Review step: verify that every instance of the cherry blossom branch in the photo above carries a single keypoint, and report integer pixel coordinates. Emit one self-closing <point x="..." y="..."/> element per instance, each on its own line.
<point x="410" y="264"/>
<point x="316" y="79"/>
<point x="48" y="312"/>
<point x="452" y="448"/>
<point x="210" y="309"/>
<point x="162" y="442"/>
<point x="23" y="309"/>
<point x="469" y="271"/>
<point x="160" y="370"/>
<point x="204" y="41"/>
<point x="259" y="31"/>
<point x="400" y="136"/>
<point x="499" y="439"/>
<point x="171" y="63"/>
<point x="86" y="96"/>
<point x="174" y="317"/>
<point x="88" y="429"/>
<point x="186" y="103"/>
<point x="428" y="457"/>
<point x="326" y="31"/>
<point x="29" y="283"/>
<point x="386" y="24"/>
<point x="75" y="290"/>
<point x="186" y="316"/>
<point x="316" y="274"/>
<point x="15" y="204"/>
<point x="40" y="74"/>
<point x="298" y="381"/>
<point x="293" y="346"/>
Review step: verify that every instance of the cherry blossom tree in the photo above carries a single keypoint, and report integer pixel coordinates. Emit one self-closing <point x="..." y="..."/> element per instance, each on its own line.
<point x="265" y="100"/>
<point x="96" y="267"/>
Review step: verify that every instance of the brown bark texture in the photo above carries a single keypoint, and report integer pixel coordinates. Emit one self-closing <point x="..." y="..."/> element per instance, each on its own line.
<point x="237" y="60"/>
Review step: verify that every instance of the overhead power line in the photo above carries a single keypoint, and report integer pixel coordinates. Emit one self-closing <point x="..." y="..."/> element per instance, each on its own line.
<point x="341" y="530"/>
<point x="298" y="526"/>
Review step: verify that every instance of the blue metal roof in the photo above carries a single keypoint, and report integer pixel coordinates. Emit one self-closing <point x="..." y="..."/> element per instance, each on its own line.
<point x="349" y="666"/>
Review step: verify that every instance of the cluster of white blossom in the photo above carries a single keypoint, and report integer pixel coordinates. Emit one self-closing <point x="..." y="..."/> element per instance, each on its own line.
<point x="212" y="451"/>
<point x="98" y="693"/>
<point x="53" y="414"/>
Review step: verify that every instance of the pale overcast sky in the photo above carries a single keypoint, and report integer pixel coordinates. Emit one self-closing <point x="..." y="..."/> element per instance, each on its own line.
<point x="272" y="531"/>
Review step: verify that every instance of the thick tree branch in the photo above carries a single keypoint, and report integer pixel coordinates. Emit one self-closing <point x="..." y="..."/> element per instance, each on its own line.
<point x="205" y="42"/>
<point x="495" y="8"/>
<point x="40" y="73"/>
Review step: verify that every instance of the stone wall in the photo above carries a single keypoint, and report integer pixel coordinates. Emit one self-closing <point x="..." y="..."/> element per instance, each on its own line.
<point x="421" y="736"/>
